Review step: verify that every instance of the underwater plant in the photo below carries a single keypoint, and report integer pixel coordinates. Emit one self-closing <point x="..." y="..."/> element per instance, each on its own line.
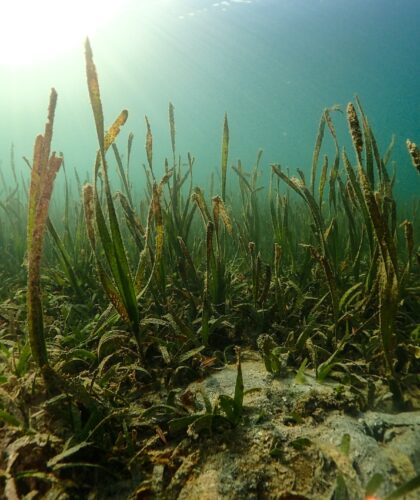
<point x="380" y="208"/>
<point x="414" y="152"/>
<point x="44" y="169"/>
<point x="145" y="295"/>
<point x="123" y="288"/>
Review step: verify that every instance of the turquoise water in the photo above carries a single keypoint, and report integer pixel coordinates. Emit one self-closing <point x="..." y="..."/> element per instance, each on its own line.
<point x="272" y="65"/>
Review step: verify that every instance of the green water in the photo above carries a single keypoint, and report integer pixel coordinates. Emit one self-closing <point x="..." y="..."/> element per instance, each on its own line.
<point x="272" y="65"/>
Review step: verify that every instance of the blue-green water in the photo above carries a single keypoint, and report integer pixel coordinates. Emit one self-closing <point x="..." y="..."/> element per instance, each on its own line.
<point x="272" y="65"/>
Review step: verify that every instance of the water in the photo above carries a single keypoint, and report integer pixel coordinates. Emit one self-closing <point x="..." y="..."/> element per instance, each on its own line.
<point x="272" y="65"/>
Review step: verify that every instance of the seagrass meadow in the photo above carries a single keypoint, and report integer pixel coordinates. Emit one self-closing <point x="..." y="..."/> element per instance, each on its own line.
<point x="116" y="297"/>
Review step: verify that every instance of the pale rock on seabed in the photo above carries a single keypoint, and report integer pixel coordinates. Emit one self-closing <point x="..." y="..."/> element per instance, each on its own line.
<point x="265" y="457"/>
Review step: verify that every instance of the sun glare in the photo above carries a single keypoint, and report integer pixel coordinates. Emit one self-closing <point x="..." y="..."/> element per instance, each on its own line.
<point x="33" y="31"/>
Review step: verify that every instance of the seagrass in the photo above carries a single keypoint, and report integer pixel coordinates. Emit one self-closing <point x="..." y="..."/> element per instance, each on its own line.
<point x="355" y="130"/>
<point x="225" y="153"/>
<point x="149" y="287"/>
<point x="44" y="169"/>
<point x="172" y="129"/>
<point x="414" y="152"/>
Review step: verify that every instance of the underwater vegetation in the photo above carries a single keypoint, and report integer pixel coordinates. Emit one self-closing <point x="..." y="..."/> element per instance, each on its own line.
<point x="122" y="302"/>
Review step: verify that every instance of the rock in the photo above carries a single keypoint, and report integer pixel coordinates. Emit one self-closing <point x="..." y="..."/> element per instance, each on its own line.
<point x="289" y="442"/>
